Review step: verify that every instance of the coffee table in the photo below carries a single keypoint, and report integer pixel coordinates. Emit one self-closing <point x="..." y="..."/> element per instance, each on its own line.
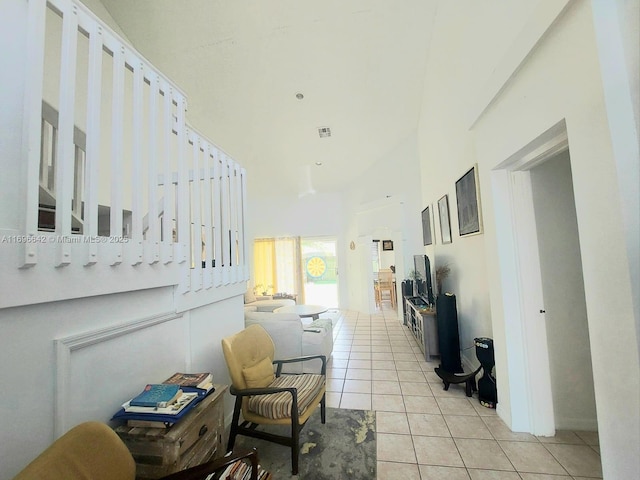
<point x="312" y="311"/>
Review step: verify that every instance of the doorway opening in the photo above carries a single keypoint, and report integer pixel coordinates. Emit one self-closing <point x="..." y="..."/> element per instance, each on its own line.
<point x="543" y="289"/>
<point x="383" y="261"/>
<point x="319" y="271"/>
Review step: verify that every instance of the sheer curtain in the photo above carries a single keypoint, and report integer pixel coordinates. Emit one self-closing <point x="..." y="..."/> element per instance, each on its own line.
<point x="277" y="265"/>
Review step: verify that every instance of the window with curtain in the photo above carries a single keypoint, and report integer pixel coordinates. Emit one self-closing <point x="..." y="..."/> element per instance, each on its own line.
<point x="276" y="264"/>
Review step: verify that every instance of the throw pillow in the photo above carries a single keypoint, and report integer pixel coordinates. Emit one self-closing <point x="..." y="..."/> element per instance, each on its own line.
<point x="259" y="375"/>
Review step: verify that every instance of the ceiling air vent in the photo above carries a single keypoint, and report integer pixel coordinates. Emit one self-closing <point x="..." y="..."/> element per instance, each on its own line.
<point x="324" y="132"/>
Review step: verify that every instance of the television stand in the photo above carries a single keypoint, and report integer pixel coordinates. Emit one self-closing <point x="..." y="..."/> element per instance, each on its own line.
<point x="421" y="320"/>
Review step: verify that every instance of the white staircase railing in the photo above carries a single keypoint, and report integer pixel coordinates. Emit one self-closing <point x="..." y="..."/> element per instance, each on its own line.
<point x="156" y="190"/>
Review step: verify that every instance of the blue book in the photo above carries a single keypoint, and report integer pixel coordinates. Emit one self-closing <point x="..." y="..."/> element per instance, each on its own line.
<point x="156" y="395"/>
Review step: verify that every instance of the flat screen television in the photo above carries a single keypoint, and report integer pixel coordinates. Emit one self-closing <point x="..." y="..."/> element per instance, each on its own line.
<point x="424" y="286"/>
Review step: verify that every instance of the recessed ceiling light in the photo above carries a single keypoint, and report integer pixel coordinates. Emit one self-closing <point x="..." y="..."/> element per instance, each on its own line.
<point x="299" y="96"/>
<point x="318" y="163"/>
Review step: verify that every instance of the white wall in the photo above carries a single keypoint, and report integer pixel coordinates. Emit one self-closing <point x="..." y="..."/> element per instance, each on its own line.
<point x="387" y="199"/>
<point x="559" y="80"/>
<point x="103" y="374"/>
<point x="385" y="204"/>
<point x="563" y="287"/>
<point x="363" y="210"/>
<point x="284" y="214"/>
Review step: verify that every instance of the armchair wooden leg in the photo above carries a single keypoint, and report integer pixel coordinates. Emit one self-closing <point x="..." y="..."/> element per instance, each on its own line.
<point x="323" y="409"/>
<point x="234" y="424"/>
<point x="295" y="445"/>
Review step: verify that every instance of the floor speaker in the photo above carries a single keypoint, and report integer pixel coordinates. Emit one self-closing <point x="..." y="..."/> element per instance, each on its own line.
<point x="448" y="337"/>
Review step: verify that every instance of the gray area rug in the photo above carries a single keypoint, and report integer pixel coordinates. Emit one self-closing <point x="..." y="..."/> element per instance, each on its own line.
<point x="343" y="448"/>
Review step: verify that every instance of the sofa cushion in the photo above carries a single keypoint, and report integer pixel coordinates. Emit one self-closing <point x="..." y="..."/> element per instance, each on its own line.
<point x="259" y="375"/>
<point x="257" y="316"/>
<point x="271" y="305"/>
<point x="278" y="405"/>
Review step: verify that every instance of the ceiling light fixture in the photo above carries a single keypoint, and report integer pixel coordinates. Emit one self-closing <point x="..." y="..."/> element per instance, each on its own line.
<point x="299" y="96"/>
<point x="319" y="163"/>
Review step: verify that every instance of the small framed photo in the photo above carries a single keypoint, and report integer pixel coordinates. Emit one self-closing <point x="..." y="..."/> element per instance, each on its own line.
<point x="387" y="245"/>
<point x="445" y="224"/>
<point x="426" y="227"/>
<point x="468" y="200"/>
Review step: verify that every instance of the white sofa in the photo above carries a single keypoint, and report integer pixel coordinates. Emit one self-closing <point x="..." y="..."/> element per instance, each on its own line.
<point x="265" y="303"/>
<point x="269" y="305"/>
<point x="294" y="337"/>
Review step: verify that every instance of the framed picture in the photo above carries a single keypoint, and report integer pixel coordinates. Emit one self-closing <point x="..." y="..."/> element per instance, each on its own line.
<point x="387" y="245"/>
<point x="426" y="227"/>
<point x="468" y="200"/>
<point x="445" y="224"/>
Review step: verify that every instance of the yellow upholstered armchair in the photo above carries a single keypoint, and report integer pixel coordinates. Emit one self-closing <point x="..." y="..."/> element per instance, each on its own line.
<point x="267" y="398"/>
<point x="93" y="451"/>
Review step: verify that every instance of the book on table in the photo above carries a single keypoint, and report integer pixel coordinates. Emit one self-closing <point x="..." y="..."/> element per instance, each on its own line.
<point x="159" y="417"/>
<point x="157" y="395"/>
<point x="157" y="407"/>
<point x="187" y="381"/>
<point x="183" y="400"/>
<point x="192" y="382"/>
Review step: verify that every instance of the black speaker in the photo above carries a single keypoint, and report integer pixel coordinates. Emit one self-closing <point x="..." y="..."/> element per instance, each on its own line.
<point x="487" y="391"/>
<point x="448" y="337"/>
<point x="407" y="288"/>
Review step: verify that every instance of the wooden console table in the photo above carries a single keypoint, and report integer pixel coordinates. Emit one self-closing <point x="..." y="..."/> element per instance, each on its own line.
<point x="422" y="322"/>
<point x="195" y="439"/>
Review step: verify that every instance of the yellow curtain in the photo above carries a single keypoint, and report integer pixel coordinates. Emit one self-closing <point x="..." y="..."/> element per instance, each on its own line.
<point x="276" y="265"/>
<point x="264" y="266"/>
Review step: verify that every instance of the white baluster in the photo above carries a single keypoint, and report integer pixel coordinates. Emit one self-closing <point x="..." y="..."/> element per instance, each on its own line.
<point x="168" y="207"/>
<point x="65" y="148"/>
<point x="136" y="174"/>
<point x="216" y="203"/>
<point x="233" y="222"/>
<point x="32" y="126"/>
<point x="117" y="151"/>
<point x="182" y="200"/>
<point x="195" y="222"/>
<point x="207" y="195"/>
<point x="153" y="239"/>
<point x="225" y="208"/>
<point x="92" y="158"/>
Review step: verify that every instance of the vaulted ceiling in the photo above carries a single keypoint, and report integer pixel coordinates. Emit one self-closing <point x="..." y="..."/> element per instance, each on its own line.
<point x="359" y="65"/>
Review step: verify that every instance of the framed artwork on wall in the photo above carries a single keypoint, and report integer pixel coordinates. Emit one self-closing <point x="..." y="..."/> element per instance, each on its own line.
<point x="426" y="227"/>
<point x="445" y="224"/>
<point x="387" y="245"/>
<point x="468" y="201"/>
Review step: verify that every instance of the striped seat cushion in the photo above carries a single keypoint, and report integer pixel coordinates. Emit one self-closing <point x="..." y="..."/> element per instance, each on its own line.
<point x="278" y="405"/>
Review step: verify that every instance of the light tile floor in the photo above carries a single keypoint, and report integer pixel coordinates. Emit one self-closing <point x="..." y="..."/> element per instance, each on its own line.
<point x="426" y="433"/>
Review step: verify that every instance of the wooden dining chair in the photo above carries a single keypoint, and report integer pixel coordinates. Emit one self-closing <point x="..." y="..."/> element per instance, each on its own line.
<point x="386" y="285"/>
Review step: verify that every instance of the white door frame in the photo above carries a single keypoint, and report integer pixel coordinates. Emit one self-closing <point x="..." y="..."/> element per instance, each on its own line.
<point x="366" y="300"/>
<point x="529" y="374"/>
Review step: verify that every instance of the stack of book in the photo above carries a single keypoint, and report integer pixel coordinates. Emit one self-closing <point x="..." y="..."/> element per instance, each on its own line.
<point x="240" y="470"/>
<point x="194" y="381"/>
<point x="160" y="405"/>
